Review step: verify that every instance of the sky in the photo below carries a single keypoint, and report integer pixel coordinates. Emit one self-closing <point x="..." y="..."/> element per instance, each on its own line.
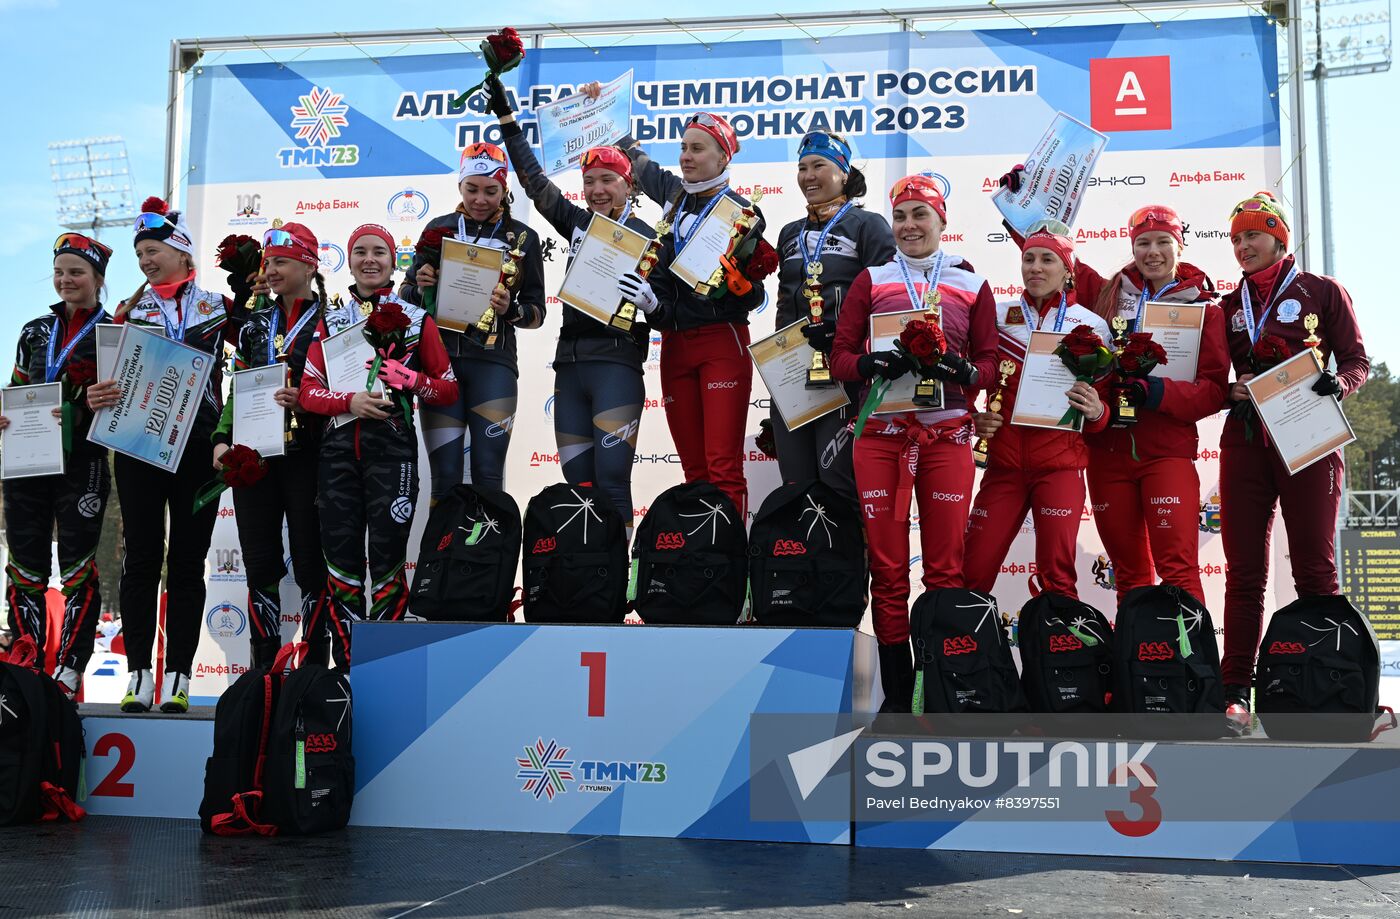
<point x="77" y="69"/>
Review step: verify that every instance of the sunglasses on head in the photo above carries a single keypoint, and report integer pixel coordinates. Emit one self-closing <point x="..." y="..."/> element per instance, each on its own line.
<point x="79" y="241"/>
<point x="825" y="140"/>
<point x="1257" y="204"/>
<point x="490" y="151"/>
<point x="150" y="221"/>
<point x="1151" y="212"/>
<point x="918" y="183"/>
<point x="706" y="119"/>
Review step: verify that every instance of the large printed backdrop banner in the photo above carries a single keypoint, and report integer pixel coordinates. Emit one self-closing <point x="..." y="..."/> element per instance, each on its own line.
<point x="1190" y="108"/>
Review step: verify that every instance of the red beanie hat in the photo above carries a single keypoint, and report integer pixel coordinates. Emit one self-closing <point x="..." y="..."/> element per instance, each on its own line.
<point x="1061" y="245"/>
<point x="1260" y="212"/>
<point x="371" y="229"/>
<point x="919" y="188"/>
<point x="294" y="241"/>
<point x="1157" y="217"/>
<point x="717" y="127"/>
<point x="609" y="158"/>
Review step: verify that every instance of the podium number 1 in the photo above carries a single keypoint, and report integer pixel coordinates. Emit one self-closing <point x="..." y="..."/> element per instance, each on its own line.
<point x="596" y="663"/>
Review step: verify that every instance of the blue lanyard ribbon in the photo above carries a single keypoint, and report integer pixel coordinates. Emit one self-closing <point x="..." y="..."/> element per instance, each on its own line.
<point x="51" y="366"/>
<point x="291" y="336"/>
<point x="683" y="240"/>
<point x="1142" y="302"/>
<point x="821" y="240"/>
<point x="462" y="229"/>
<point x="174" y="333"/>
<point x="1059" y="311"/>
<point x="1256" y="330"/>
<point x="932" y="282"/>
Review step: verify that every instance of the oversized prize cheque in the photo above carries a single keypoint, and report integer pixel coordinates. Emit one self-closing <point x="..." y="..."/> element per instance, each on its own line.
<point x="162" y="388"/>
<point x="259" y="423"/>
<point x="885" y="329"/>
<point x="469" y="273"/>
<point x="1042" y="395"/>
<point x="783" y="360"/>
<point x="608" y="251"/>
<point x="1057" y="173"/>
<point x="1302" y="425"/>
<point x="33" y="443"/>
<point x="574" y="123"/>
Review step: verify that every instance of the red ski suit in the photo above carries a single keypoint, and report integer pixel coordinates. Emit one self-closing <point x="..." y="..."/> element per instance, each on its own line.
<point x="923" y="455"/>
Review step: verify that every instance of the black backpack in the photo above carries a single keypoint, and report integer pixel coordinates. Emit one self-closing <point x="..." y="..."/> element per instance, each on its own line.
<point x="807" y="562"/>
<point x="688" y="558"/>
<point x="234" y="773"/>
<point x="281" y="761"/>
<point x="309" y="779"/>
<point x="1066" y="655"/>
<point x="41" y="743"/>
<point x="575" y="557"/>
<point x="468" y="557"/>
<point x="1319" y="655"/>
<point x="962" y="657"/>
<point x="1165" y="660"/>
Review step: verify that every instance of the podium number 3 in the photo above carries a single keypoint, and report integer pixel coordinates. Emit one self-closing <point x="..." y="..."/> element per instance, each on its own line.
<point x="596" y="663"/>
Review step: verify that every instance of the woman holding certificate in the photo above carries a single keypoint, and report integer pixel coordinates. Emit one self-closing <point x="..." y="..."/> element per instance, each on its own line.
<point x="171" y="303"/>
<point x="922" y="454"/>
<point x="61" y="347"/>
<point x="598" y="386"/>
<point x="1276" y="304"/>
<point x="478" y="320"/>
<point x="705" y="367"/>
<point x="369" y="465"/>
<point x="1035" y="466"/>
<point x="821" y="254"/>
<point x="1142" y="477"/>
<point x="278" y="337"/>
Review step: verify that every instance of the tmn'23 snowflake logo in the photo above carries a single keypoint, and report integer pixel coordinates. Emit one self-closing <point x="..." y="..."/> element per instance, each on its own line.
<point x="317" y="119"/>
<point x="545" y="767"/>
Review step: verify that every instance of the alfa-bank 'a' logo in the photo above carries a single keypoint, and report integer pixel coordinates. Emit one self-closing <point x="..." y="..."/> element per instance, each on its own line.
<point x="1130" y="93"/>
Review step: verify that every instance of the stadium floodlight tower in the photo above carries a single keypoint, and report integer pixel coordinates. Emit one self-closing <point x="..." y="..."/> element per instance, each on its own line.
<point x="92" y="180"/>
<point x="1344" y="38"/>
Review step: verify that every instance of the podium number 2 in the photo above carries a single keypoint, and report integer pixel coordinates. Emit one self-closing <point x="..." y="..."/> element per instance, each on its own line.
<point x="112" y="785"/>
<point x="596" y="663"/>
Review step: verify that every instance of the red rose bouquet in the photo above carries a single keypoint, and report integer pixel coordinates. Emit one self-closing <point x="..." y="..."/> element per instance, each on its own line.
<point x="1268" y="352"/>
<point x="241" y="257"/>
<point x="922" y="342"/>
<point x="429" y="249"/>
<point x="384" y="330"/>
<point x="762" y="263"/>
<point x="241" y="466"/>
<point x="1084" y="353"/>
<point x="503" y="52"/>
<point x="1140" y="356"/>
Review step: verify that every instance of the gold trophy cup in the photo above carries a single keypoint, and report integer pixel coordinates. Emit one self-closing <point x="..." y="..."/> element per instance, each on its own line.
<point x="742" y="224"/>
<point x="625" y="316"/>
<point x="983" y="447"/>
<point x="510" y="276"/>
<point x="819" y="373"/>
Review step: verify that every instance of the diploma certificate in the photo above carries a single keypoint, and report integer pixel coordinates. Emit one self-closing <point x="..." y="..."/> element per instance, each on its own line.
<point x="162" y="389"/>
<point x="1177" y="328"/>
<point x="608" y="251"/>
<point x="1303" y="426"/>
<point x="33" y="443"/>
<point x="346" y="354"/>
<point x="258" y="421"/>
<point x="469" y="273"/>
<point x="698" y="260"/>
<point x="885" y="329"/>
<point x="782" y="360"/>
<point x="1040" y="396"/>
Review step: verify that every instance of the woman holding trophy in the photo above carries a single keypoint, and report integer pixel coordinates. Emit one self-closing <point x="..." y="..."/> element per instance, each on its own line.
<point x="483" y="352"/>
<point x="920" y="449"/>
<point x="598" y="387"/>
<point x="820" y="256"/>
<point x="701" y="309"/>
